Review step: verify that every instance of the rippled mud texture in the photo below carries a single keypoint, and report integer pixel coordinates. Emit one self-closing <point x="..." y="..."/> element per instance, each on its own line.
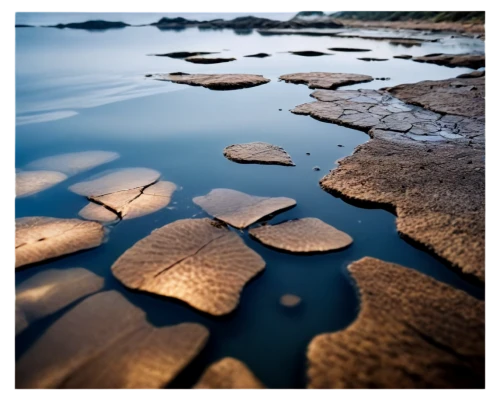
<point x="197" y="261"/>
<point x="427" y="167"/>
<point x="412" y="332"/>
<point x="51" y="290"/>
<point x="32" y="182"/>
<point x="239" y="209"/>
<point x="258" y="153"/>
<point x="436" y="190"/>
<point x="228" y="373"/>
<point x="215" y="81"/>
<point x="43" y="238"/>
<point x="305" y="235"/>
<point x="460" y="96"/>
<point x="108" y="343"/>
<point x="325" y="80"/>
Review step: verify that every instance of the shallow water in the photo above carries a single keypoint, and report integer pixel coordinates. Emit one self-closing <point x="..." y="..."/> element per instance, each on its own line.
<point x="95" y="83"/>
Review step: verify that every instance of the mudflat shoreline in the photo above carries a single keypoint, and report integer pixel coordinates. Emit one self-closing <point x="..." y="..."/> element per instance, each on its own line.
<point x="459" y="27"/>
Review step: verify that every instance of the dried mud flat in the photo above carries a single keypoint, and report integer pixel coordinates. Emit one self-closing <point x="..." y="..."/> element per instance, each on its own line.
<point x="462" y="96"/>
<point x="473" y="61"/>
<point x="426" y="165"/>
<point x="412" y="332"/>
<point x="415" y="25"/>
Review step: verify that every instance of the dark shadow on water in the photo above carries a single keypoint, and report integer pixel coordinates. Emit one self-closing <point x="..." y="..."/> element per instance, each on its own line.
<point x="371" y="205"/>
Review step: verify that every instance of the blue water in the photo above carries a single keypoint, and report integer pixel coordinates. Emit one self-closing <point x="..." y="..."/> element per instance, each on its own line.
<point x="90" y="91"/>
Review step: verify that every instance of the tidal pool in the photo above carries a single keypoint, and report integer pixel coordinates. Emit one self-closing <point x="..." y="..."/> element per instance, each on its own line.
<point x="93" y="84"/>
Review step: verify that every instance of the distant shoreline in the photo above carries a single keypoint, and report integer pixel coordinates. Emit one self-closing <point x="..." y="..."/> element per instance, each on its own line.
<point x="459" y="27"/>
<point x="317" y="20"/>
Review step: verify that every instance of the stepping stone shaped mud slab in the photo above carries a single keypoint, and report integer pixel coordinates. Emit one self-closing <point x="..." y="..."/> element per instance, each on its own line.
<point x="303" y="235"/>
<point x="215" y="81"/>
<point x="239" y="209"/>
<point x="325" y="80"/>
<point x="129" y="204"/>
<point x="42" y="238"/>
<point x="198" y="261"/>
<point x="106" y="342"/>
<point x="258" y="153"/>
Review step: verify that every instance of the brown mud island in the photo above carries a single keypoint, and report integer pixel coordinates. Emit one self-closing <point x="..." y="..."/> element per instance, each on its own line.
<point x="425" y="161"/>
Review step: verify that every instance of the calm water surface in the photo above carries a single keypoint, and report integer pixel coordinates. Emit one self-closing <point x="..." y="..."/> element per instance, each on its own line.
<point x="79" y="90"/>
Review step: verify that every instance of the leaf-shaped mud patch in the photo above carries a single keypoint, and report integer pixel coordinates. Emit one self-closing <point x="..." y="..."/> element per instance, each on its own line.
<point x="31" y="182"/>
<point x="115" y="181"/>
<point x="412" y="332"/>
<point x="50" y="291"/>
<point x="228" y="373"/>
<point x="194" y="260"/>
<point x="106" y="342"/>
<point x="42" y="238"/>
<point x="302" y="236"/>
<point x="240" y="209"/>
<point x="258" y="153"/>
<point x="74" y="163"/>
